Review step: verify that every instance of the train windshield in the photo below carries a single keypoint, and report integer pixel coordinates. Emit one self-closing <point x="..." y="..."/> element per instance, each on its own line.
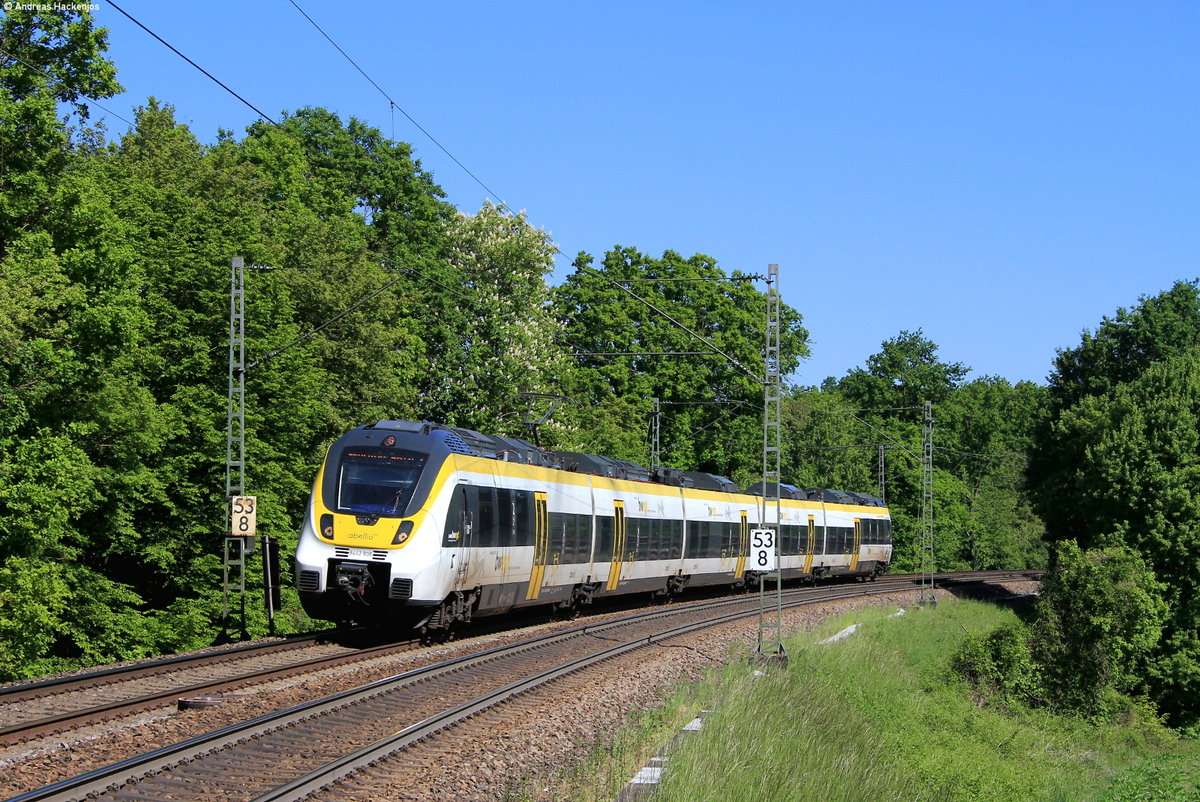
<point x="378" y="481"/>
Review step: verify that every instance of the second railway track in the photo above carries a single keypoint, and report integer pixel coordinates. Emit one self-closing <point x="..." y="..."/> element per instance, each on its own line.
<point x="288" y="754"/>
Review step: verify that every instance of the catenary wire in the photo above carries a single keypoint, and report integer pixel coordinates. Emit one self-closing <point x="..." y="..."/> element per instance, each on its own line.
<point x="35" y="68"/>
<point x="394" y="105"/>
<point x="136" y="22"/>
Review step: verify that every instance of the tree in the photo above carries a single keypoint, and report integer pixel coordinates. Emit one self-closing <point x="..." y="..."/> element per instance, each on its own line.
<point x="1120" y="350"/>
<point x="1099" y="617"/>
<point x="630" y="353"/>
<point x="48" y="56"/>
<point x="1136" y="487"/>
<point x="506" y="331"/>
<point x="982" y="517"/>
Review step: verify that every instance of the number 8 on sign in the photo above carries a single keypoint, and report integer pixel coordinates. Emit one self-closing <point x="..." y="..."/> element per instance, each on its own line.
<point x="762" y="550"/>
<point x="243" y="512"/>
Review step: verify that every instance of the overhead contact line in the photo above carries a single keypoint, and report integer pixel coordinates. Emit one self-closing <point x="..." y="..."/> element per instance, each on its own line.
<point x="208" y="74"/>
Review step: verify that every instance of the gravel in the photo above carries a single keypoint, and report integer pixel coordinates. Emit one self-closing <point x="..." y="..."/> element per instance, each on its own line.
<point x="548" y="733"/>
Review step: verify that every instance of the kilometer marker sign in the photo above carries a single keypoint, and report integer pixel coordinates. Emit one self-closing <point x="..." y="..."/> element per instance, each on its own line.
<point x="763" y="555"/>
<point x="243" y="516"/>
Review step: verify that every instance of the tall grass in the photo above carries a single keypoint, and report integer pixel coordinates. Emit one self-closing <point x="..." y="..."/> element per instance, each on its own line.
<point x="879" y="716"/>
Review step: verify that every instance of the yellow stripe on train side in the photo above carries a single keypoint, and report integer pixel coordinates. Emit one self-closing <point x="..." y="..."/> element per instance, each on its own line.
<point x="743" y="546"/>
<point x="541" y="545"/>
<point x="811" y="544"/>
<point x="614" y="570"/>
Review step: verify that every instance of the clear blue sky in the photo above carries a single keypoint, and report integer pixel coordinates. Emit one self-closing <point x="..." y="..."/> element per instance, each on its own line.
<point x="1000" y="174"/>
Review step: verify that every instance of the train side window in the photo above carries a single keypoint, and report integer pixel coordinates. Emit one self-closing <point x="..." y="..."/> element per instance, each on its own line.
<point x="522" y="518"/>
<point x="604" y="538"/>
<point x="579" y="539"/>
<point x="504" y="517"/>
<point x="693" y="540"/>
<point x="456" y="519"/>
<point x="485" y="534"/>
<point x="583" y="538"/>
<point x="715" y="538"/>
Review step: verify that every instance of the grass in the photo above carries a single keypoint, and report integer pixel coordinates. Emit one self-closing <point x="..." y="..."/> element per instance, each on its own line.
<point x="878" y="716"/>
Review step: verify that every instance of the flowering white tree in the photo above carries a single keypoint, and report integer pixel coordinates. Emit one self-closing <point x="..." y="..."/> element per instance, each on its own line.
<point x="507" y="342"/>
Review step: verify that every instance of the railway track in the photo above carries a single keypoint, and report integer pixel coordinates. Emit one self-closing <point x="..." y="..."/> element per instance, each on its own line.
<point x="63" y="704"/>
<point x="295" y="752"/>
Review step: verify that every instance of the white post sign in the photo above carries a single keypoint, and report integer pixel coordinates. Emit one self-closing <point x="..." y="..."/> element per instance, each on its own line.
<point x="243" y="512"/>
<point x="762" y="550"/>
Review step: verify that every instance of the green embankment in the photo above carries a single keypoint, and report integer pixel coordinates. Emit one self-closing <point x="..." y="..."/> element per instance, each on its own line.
<point x="878" y="715"/>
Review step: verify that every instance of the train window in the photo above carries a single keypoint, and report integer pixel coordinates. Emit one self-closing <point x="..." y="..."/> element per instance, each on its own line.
<point x="504" y="517"/>
<point x="457" y="522"/>
<point x="604" y="538"/>
<point x="488" y="520"/>
<point x="676" y="539"/>
<point x="378" y="481"/>
<point x="716" y="538"/>
<point x="522" y="518"/>
<point x="583" y="538"/>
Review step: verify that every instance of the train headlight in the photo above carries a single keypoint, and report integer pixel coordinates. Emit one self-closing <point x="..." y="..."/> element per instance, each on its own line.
<point x="402" y="534"/>
<point x="326" y="530"/>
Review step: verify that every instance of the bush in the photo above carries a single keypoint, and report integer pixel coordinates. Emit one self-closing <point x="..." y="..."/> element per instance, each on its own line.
<point x="1000" y="667"/>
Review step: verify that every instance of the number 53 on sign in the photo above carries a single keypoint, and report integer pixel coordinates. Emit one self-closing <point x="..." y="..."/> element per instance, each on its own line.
<point x="243" y="513"/>
<point x="762" y="550"/>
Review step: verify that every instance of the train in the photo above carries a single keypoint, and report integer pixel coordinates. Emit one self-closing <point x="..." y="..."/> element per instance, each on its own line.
<point x="424" y="525"/>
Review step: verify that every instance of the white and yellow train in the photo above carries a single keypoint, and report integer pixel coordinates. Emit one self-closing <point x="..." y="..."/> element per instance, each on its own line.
<point x="427" y="525"/>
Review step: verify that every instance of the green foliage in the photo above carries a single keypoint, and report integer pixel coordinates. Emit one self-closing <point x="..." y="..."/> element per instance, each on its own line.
<point x="999" y="666"/>
<point x="1100" y="615"/>
<point x="48" y="56"/>
<point x="983" y="428"/>
<point x="1118" y="462"/>
<point x="711" y="404"/>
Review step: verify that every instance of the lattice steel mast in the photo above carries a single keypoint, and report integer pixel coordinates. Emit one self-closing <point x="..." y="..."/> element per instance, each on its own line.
<point x="234" y="564"/>
<point x="928" y="566"/>
<point x="770" y="628"/>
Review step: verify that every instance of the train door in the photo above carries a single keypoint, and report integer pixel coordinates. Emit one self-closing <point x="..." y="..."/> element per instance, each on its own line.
<point x="743" y="546"/>
<point x="541" y="545"/>
<point x="618" y="555"/>
<point x="459" y="536"/>
<point x="857" y="544"/>
<point x="811" y="545"/>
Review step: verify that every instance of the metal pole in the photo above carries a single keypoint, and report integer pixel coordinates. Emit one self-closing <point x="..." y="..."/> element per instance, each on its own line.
<point x="882" y="474"/>
<point x="655" y="435"/>
<point x="928" y="567"/>
<point x="235" y="426"/>
<point x="770" y="632"/>
<point x="234" y="574"/>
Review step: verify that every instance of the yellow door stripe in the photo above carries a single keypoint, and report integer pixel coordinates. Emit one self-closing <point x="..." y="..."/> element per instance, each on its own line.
<point x="614" y="571"/>
<point x="541" y="545"/>
<point x="857" y="544"/>
<point x="812" y="542"/>
<point x="743" y="546"/>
